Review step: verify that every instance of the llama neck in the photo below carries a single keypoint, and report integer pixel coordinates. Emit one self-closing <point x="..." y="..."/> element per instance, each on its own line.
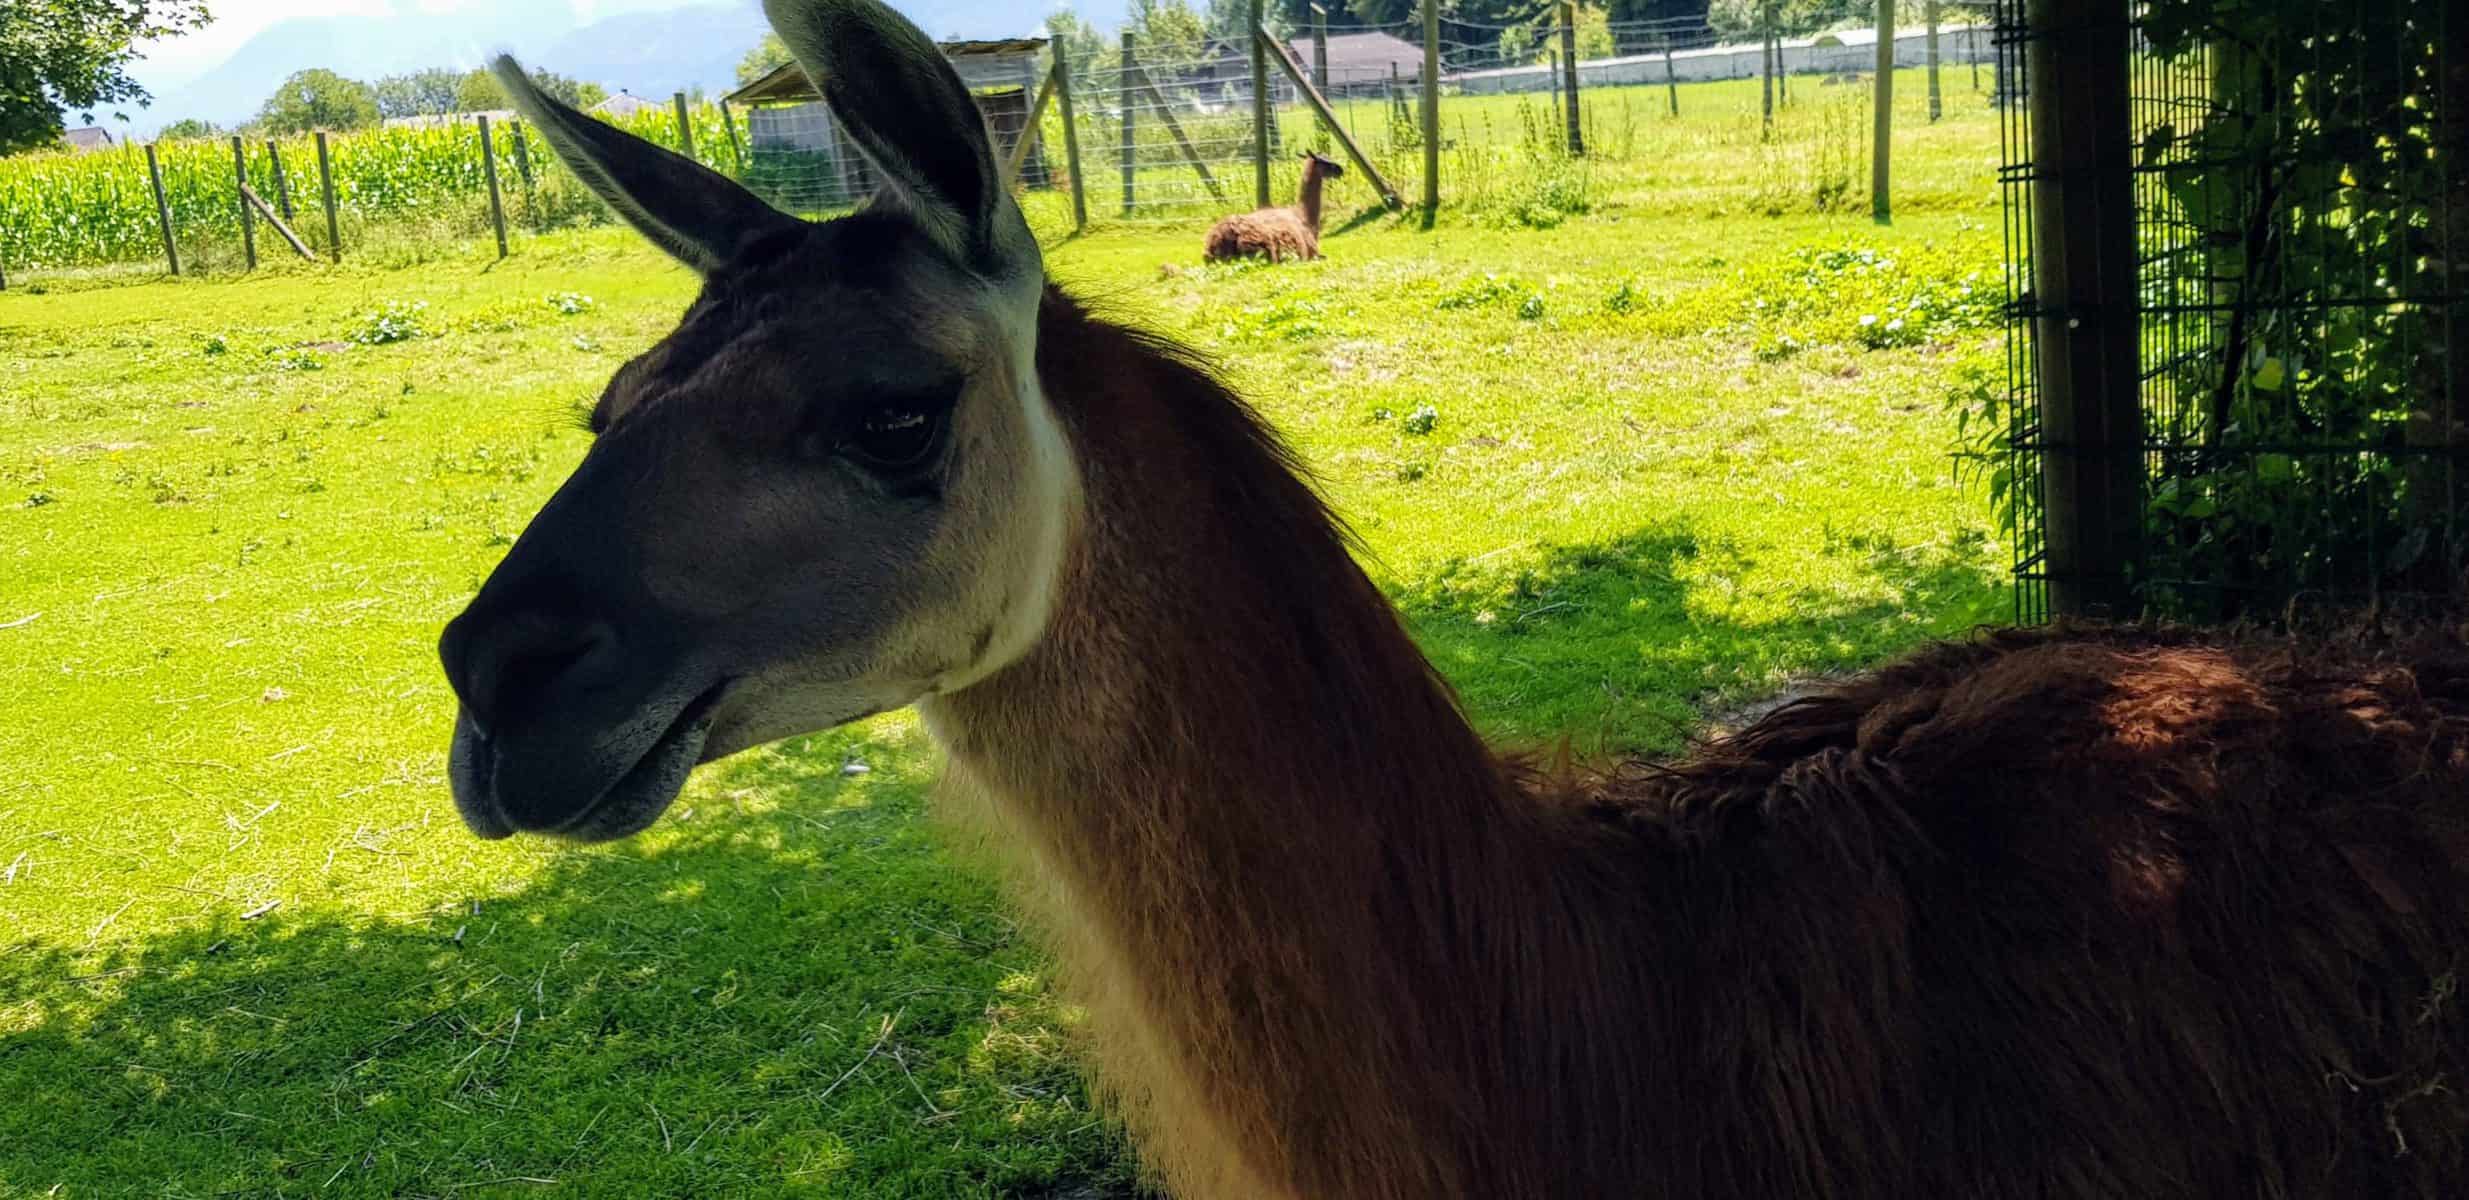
<point x="1274" y="827"/>
<point x="1309" y="204"/>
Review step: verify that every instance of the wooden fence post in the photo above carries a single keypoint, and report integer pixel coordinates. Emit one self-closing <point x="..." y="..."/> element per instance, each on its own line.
<point x="275" y="221"/>
<point x="240" y="199"/>
<point x="1174" y="128"/>
<point x="1131" y="158"/>
<point x="1937" y="104"/>
<point x="1328" y="118"/>
<point x="728" y="121"/>
<point x="1032" y="130"/>
<point x="1783" y="72"/>
<point x="1397" y="101"/>
<point x="1320" y="49"/>
<point x="325" y="186"/>
<point x="1431" y="109"/>
<point x="1071" y="136"/>
<point x="282" y="184"/>
<point x="162" y="208"/>
<point x="1568" y="65"/>
<point x="1671" y="80"/>
<point x="1260" y="113"/>
<point x="1320" y="61"/>
<point x="522" y="154"/>
<point x="685" y="127"/>
<point x="488" y="171"/>
<point x="1766" y="62"/>
<point x="1037" y="91"/>
<point x="1882" y="137"/>
<point x="2087" y="322"/>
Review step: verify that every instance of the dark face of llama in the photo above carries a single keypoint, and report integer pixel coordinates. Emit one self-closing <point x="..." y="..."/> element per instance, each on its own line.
<point x="1327" y="167"/>
<point x="835" y="488"/>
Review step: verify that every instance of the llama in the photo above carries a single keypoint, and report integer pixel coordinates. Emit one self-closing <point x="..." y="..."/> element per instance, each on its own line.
<point x="1277" y="234"/>
<point x="2080" y="912"/>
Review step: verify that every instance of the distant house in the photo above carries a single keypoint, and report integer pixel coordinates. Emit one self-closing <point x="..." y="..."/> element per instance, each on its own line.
<point x="1221" y="75"/>
<point x="623" y="105"/>
<point x="92" y="137"/>
<point x="1363" y="61"/>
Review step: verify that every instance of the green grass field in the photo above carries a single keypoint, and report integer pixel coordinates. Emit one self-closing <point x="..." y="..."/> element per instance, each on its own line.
<point x="1660" y="457"/>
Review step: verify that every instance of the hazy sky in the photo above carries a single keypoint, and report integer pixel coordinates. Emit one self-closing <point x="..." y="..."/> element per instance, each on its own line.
<point x="175" y="61"/>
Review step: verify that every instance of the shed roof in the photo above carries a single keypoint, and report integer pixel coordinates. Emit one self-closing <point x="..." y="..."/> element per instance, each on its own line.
<point x="92" y="137"/>
<point x="787" y="83"/>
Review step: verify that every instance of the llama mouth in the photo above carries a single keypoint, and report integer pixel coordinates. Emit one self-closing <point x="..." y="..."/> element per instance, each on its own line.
<point x="623" y="808"/>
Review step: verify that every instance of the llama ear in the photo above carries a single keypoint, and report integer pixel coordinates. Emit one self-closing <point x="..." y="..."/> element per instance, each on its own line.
<point x="695" y="213"/>
<point x="908" y="110"/>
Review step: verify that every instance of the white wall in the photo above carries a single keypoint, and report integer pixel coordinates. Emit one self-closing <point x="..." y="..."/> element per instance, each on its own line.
<point x="1856" y="53"/>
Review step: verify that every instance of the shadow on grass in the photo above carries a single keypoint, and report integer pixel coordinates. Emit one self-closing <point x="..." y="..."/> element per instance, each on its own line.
<point x="789" y="992"/>
<point x="1624" y="645"/>
<point x="1367" y="216"/>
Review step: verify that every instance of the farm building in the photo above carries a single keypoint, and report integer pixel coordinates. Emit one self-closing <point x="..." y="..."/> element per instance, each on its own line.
<point x="796" y="155"/>
<point x="1217" y="77"/>
<point x="1363" y="60"/>
<point x="1220" y="77"/>
<point x="92" y="137"/>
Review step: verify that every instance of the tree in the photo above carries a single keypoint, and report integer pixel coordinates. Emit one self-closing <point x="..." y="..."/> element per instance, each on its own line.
<point x="58" y="55"/>
<point x="479" y="91"/>
<point x="419" y="94"/>
<point x="189" y="127"/>
<point x="1083" y="46"/>
<point x="1167" y="23"/>
<point x="319" y="99"/>
<point x="769" y="55"/>
<point x="1739" y="18"/>
<point x="1227" y="19"/>
<point x="1688" y="11"/>
<point x="1296" y="15"/>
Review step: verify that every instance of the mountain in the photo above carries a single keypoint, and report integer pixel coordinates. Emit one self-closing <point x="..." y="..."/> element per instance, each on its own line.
<point x="651" y="51"/>
<point x="361" y="46"/>
<point x="656" y="53"/>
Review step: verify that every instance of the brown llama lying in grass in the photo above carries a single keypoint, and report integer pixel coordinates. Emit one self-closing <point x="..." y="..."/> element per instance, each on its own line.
<point x="1276" y="234"/>
<point x="2070" y="913"/>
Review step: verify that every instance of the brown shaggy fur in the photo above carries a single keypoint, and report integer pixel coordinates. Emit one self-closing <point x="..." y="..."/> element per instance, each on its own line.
<point x="2059" y="913"/>
<point x="1276" y="234"/>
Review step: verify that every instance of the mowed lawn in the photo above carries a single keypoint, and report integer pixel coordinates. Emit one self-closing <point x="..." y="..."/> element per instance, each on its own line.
<point x="1618" y="471"/>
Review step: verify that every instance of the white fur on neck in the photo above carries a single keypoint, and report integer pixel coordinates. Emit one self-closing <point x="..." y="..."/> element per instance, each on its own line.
<point x="1053" y="498"/>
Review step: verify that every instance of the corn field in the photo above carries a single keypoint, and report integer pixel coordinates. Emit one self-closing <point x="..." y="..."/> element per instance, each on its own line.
<point x="64" y="209"/>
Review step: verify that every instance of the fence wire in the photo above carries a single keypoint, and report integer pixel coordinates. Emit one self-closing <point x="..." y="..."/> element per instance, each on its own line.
<point x="1165" y="132"/>
<point x="2300" y="208"/>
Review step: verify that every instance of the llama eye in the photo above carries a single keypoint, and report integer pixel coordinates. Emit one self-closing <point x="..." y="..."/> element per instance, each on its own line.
<point x="895" y="437"/>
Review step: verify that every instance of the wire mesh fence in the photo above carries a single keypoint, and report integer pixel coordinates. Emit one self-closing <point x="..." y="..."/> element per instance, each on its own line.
<point x="2296" y="180"/>
<point x="1163" y="133"/>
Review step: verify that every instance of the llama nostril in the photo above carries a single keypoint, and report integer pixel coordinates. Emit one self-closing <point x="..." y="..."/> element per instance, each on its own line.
<point x="506" y="671"/>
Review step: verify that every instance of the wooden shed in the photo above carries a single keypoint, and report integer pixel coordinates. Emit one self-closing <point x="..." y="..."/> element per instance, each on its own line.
<point x="786" y="116"/>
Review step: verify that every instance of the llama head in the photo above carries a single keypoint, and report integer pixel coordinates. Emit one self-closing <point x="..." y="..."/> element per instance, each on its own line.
<point x="834" y="488"/>
<point x="1315" y="163"/>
